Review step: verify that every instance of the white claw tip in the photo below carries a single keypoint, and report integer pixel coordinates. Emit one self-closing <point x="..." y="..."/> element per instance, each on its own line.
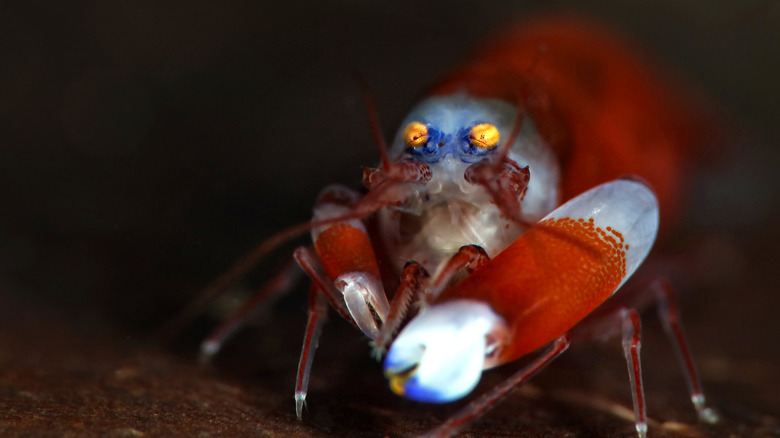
<point x="365" y="300"/>
<point x="440" y="354"/>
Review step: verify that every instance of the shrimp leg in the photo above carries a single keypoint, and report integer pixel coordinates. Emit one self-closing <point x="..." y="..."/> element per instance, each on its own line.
<point x="602" y="324"/>
<point x="413" y="280"/>
<point x="281" y="282"/>
<point x="318" y="312"/>
<point x="417" y="288"/>
<point x="500" y="391"/>
<point x="667" y="311"/>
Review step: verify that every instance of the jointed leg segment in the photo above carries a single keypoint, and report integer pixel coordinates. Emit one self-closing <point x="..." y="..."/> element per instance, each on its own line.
<point x="318" y="312"/>
<point x="632" y="343"/>
<point x="495" y="395"/>
<point x="667" y="311"/>
<point x="281" y="282"/>
<point x="413" y="280"/>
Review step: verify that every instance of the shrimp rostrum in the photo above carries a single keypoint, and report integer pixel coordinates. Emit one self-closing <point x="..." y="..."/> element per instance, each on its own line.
<point x="514" y="201"/>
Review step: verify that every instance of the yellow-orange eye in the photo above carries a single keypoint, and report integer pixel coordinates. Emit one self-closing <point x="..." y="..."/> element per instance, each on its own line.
<point x="415" y="134"/>
<point x="484" y="136"/>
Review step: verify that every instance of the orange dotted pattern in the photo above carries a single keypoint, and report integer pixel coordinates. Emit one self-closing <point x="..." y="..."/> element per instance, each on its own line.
<point x="548" y="280"/>
<point x="343" y="248"/>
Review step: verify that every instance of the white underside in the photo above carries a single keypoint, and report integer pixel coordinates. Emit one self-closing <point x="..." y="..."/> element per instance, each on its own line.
<point x="449" y="212"/>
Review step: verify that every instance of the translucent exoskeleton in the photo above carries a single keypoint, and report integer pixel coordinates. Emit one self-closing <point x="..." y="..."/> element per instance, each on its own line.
<point x="512" y="203"/>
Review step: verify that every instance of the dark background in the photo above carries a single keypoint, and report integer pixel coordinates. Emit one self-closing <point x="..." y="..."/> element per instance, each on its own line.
<point x="144" y="146"/>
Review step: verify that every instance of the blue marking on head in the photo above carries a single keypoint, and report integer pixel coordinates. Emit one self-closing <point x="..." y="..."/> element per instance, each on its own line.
<point x="449" y="120"/>
<point x="440" y="145"/>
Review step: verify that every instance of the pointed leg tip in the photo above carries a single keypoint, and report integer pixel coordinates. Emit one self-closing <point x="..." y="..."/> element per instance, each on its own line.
<point x="641" y="430"/>
<point x="709" y="415"/>
<point x="300" y="402"/>
<point x="706" y="415"/>
<point x="207" y="351"/>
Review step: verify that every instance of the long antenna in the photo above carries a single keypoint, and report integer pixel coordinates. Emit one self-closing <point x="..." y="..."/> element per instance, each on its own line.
<point x="373" y="117"/>
<point x="522" y="95"/>
<point x="503" y="151"/>
<point x="239" y="269"/>
<point x="371" y="202"/>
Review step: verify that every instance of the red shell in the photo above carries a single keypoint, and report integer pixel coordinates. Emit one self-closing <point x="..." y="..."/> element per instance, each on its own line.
<point x="605" y="110"/>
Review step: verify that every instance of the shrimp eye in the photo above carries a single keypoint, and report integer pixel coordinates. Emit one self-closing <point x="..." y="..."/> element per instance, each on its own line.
<point x="484" y="136"/>
<point x="415" y="134"/>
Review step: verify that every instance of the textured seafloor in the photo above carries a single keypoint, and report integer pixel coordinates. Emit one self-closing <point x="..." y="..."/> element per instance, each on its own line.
<point x="144" y="146"/>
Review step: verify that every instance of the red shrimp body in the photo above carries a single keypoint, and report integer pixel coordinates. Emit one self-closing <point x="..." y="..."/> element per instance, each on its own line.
<point x="604" y="114"/>
<point x="500" y="212"/>
<point x="599" y="105"/>
<point x="537" y="304"/>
